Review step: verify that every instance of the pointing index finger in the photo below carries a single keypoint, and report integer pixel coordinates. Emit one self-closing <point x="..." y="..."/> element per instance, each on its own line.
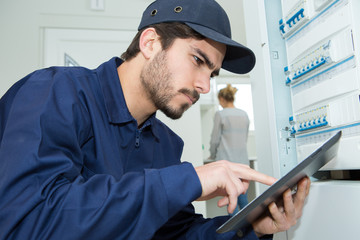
<point x="253" y="175"/>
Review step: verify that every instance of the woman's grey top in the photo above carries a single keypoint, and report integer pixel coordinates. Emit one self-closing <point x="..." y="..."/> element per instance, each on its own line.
<point x="229" y="136"/>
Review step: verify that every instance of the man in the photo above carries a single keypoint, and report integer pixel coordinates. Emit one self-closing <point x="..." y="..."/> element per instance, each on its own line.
<point x="83" y="156"/>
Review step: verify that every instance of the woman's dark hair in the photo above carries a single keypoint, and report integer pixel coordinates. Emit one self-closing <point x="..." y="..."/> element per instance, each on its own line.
<point x="168" y="32"/>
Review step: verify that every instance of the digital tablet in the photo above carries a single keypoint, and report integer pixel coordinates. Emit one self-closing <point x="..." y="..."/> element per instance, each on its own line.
<point x="259" y="206"/>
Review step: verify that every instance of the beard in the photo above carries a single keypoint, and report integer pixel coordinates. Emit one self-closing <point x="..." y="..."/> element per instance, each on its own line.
<point x="156" y="81"/>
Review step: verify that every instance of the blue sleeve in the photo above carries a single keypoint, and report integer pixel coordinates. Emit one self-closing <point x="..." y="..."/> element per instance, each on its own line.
<point x="187" y="225"/>
<point x="43" y="193"/>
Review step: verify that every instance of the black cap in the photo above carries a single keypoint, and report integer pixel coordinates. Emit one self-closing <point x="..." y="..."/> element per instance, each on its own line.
<point x="209" y="19"/>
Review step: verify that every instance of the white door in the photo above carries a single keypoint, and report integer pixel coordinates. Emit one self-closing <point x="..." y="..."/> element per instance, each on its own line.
<point x="84" y="47"/>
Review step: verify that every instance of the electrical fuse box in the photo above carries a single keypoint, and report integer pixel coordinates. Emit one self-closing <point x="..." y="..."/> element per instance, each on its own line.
<point x="322" y="41"/>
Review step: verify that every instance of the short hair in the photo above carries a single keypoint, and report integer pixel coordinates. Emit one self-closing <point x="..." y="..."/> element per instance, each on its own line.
<point x="228" y="93"/>
<point x="168" y="32"/>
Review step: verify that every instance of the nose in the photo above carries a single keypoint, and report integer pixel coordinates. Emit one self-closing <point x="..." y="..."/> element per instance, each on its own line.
<point x="202" y="84"/>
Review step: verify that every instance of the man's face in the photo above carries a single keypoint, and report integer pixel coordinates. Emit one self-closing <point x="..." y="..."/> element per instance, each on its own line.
<point x="174" y="79"/>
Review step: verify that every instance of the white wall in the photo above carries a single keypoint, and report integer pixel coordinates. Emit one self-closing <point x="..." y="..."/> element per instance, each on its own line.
<point x="22" y="23"/>
<point x="262" y="89"/>
<point x="19" y="42"/>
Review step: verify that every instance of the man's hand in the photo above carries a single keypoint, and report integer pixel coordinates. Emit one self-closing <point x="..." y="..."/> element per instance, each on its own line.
<point x="224" y="178"/>
<point x="283" y="217"/>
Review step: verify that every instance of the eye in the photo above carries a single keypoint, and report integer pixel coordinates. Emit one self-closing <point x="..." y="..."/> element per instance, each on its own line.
<point x="198" y="60"/>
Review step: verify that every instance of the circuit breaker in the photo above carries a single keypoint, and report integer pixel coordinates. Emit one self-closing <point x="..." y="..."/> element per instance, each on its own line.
<point x="322" y="39"/>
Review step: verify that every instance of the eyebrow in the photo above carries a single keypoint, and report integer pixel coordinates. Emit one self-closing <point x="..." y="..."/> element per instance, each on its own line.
<point x="210" y="64"/>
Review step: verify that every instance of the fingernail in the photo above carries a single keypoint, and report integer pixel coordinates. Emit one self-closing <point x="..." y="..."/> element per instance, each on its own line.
<point x="273" y="205"/>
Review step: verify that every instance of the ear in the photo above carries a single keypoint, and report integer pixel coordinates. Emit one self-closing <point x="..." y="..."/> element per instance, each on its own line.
<point x="149" y="42"/>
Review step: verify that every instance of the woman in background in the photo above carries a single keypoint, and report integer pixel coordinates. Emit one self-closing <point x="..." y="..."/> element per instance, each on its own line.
<point x="230" y="133"/>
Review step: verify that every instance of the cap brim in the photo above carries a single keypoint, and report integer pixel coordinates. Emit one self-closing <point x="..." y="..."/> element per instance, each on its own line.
<point x="238" y="58"/>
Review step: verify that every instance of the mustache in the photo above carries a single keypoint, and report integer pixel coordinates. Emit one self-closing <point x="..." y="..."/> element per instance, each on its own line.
<point x="192" y="93"/>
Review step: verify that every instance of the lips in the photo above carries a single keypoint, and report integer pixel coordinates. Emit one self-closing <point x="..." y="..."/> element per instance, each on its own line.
<point x="192" y="100"/>
<point x="193" y="96"/>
